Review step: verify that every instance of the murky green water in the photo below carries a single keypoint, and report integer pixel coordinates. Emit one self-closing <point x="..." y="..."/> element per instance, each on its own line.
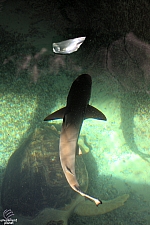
<point x="35" y="82"/>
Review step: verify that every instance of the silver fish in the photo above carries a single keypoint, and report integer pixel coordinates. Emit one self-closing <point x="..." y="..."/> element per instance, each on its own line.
<point x="76" y="110"/>
<point x="68" y="46"/>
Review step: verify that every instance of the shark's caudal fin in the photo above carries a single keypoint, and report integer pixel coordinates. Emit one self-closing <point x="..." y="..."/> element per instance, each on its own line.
<point x="59" y="114"/>
<point x="97" y="201"/>
<point x="92" y="112"/>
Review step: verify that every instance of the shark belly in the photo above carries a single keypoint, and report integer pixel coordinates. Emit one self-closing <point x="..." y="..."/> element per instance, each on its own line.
<point x="67" y="152"/>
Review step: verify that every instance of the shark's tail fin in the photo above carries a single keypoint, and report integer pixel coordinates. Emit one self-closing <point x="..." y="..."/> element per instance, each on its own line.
<point x="97" y="201"/>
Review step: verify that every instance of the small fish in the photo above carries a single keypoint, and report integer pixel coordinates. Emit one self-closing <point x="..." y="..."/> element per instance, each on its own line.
<point x="76" y="110"/>
<point x="68" y="46"/>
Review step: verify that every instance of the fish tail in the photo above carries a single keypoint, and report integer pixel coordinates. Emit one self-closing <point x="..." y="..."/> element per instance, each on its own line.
<point x="97" y="201"/>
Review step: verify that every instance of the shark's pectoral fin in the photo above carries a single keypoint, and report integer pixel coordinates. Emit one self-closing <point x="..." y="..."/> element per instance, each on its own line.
<point x="59" y="114"/>
<point x="92" y="112"/>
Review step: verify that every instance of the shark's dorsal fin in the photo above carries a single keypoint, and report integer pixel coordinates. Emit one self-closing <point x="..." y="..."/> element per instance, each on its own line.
<point x="59" y="114"/>
<point x="92" y="112"/>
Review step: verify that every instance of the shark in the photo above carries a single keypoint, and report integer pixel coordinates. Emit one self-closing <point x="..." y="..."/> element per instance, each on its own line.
<point x="73" y="114"/>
